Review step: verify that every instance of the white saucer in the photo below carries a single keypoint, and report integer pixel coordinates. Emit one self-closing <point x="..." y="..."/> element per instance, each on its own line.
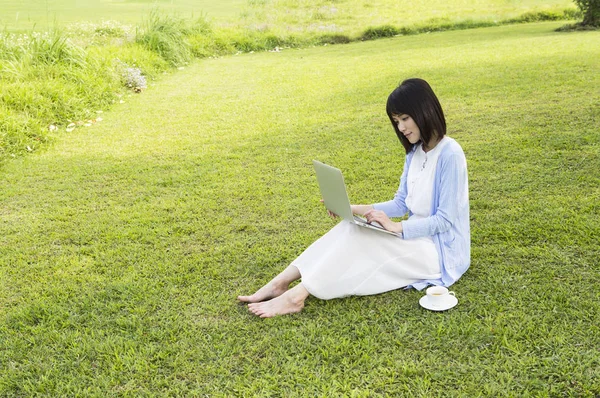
<point x="450" y="302"/>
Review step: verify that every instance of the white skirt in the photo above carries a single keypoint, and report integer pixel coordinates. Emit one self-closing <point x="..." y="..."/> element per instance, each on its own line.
<point x="351" y="260"/>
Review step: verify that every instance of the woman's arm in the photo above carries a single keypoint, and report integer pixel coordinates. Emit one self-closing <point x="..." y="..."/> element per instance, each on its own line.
<point x="361" y="209"/>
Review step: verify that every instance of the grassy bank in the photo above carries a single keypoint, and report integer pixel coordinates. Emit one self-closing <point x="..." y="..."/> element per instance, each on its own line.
<point x="124" y="246"/>
<point x="300" y="17"/>
<point x="350" y="18"/>
<point x="56" y="81"/>
<point x="24" y="16"/>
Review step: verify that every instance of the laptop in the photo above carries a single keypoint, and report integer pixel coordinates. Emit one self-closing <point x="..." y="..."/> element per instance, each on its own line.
<point x="335" y="196"/>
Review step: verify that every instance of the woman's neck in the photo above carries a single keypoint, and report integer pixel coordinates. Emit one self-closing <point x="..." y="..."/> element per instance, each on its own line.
<point x="431" y="144"/>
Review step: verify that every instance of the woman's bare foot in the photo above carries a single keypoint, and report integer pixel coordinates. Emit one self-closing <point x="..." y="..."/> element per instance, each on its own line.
<point x="275" y="288"/>
<point x="268" y="291"/>
<point x="289" y="302"/>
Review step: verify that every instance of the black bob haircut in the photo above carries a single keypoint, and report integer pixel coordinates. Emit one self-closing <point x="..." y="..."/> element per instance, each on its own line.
<point x="414" y="97"/>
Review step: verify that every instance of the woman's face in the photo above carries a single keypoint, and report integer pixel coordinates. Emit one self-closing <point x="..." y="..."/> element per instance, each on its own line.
<point x="408" y="127"/>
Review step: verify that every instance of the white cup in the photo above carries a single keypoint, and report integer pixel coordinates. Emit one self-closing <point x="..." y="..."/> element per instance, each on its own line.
<point x="438" y="296"/>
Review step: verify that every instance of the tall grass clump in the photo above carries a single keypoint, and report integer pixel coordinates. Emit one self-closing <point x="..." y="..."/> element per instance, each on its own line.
<point x="379" y="32"/>
<point x="178" y="40"/>
<point x="167" y="36"/>
<point x="333" y="38"/>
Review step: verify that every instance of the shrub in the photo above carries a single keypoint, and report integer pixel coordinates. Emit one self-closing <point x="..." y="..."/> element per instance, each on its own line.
<point x="379" y="32"/>
<point x="333" y="39"/>
<point x="46" y="48"/>
<point x="538" y="16"/>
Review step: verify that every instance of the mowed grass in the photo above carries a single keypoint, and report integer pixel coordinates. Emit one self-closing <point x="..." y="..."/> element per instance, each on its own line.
<point x="124" y="245"/>
<point x="349" y="17"/>
<point x="48" y="14"/>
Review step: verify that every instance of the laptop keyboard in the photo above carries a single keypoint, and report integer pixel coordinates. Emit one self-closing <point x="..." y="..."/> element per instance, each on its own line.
<point x="364" y="221"/>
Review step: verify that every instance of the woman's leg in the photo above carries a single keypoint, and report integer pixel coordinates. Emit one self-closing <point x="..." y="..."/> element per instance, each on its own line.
<point x="276" y="287"/>
<point x="288" y="303"/>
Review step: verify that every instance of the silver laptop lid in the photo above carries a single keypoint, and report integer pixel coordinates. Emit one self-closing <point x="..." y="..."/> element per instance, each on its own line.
<point x="333" y="190"/>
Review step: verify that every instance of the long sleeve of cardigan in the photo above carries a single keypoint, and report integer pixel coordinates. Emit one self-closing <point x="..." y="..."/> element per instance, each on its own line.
<point x="446" y="213"/>
<point x="451" y="177"/>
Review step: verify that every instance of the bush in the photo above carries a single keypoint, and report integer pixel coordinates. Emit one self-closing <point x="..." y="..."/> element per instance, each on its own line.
<point x="538" y="16"/>
<point x="379" y="32"/>
<point x="334" y="39"/>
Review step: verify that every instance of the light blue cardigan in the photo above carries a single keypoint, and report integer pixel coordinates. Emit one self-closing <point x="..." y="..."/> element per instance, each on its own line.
<point x="449" y="220"/>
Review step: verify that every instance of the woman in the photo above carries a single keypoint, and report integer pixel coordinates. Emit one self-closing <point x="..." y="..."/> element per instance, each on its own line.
<point x="434" y="248"/>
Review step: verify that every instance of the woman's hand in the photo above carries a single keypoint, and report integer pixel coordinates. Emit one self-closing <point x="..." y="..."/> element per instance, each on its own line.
<point x="331" y="214"/>
<point x="380" y="217"/>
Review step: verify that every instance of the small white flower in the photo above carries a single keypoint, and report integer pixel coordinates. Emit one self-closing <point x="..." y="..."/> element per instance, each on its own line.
<point x="132" y="77"/>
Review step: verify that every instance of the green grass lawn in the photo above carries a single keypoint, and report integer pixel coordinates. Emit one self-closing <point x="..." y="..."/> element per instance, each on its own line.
<point x="45" y="14"/>
<point x="351" y="16"/>
<point x="124" y="245"/>
<point x="319" y="16"/>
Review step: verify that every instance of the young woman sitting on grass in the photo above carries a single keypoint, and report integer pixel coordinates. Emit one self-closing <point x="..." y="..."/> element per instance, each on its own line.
<point x="434" y="247"/>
